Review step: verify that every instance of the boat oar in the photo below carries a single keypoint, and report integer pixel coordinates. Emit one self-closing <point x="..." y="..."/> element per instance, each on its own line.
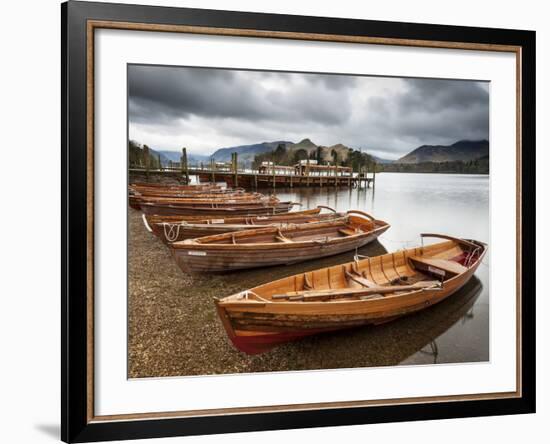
<point x="347" y="292"/>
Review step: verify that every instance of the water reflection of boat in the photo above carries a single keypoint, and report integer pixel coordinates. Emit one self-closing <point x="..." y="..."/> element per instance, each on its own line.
<point x="395" y="342"/>
<point x="368" y="291"/>
<point x="427" y="326"/>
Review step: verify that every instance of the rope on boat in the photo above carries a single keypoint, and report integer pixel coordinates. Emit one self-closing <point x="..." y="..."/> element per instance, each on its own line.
<point x="358" y="256"/>
<point x="172" y="233"/>
<point x="247" y="292"/>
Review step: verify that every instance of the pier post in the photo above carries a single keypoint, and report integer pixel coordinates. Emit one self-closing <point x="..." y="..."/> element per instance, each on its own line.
<point x="184" y="165"/>
<point x="146" y="160"/>
<point x="212" y="168"/>
<point x="307" y="172"/>
<point x="255" y="181"/>
<point x="273" y="166"/>
<point x="235" y="173"/>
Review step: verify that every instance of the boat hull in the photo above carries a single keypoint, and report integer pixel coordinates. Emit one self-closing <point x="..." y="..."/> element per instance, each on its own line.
<point x="221" y="258"/>
<point x="168" y="210"/>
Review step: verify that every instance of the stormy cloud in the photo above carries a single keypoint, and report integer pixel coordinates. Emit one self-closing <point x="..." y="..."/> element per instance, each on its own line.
<point x="205" y="109"/>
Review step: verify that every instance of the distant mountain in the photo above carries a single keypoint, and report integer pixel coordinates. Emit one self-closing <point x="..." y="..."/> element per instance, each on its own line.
<point x="463" y="150"/>
<point x="382" y="161"/>
<point x="305" y="144"/>
<point x="175" y="156"/>
<point x="293" y="153"/>
<point x="246" y="153"/>
<point x="306" y="148"/>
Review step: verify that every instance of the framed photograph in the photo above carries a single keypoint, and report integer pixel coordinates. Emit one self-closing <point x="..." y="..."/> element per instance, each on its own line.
<point x="275" y="221"/>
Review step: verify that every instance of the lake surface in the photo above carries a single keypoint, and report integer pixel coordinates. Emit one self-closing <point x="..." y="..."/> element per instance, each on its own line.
<point x="452" y="204"/>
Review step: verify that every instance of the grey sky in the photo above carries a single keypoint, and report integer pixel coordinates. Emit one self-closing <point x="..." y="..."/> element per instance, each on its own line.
<point x="205" y="109"/>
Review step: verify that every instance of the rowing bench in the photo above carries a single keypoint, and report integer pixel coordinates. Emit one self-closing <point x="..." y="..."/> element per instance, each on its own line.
<point x="441" y="267"/>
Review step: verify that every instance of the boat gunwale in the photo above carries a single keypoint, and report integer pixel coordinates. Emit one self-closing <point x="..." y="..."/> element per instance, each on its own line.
<point x="240" y="227"/>
<point x="231" y="300"/>
<point x="194" y="218"/>
<point x="193" y="244"/>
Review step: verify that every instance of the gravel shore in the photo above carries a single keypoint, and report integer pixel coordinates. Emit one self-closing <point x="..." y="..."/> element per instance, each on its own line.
<point x="174" y="330"/>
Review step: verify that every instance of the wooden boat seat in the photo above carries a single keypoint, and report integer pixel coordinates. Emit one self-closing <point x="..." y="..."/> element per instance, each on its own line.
<point x="440" y="267"/>
<point x="347" y="231"/>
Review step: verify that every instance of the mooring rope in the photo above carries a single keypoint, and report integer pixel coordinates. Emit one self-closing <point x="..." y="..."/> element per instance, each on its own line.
<point x="173" y="231"/>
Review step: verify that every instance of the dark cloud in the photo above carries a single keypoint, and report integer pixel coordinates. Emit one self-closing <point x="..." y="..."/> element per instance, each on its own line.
<point x="206" y="108"/>
<point x="431" y="111"/>
<point x="433" y="95"/>
<point x="160" y="94"/>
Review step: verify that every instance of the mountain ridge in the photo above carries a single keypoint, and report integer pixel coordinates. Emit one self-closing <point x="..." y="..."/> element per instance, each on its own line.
<point x="462" y="150"/>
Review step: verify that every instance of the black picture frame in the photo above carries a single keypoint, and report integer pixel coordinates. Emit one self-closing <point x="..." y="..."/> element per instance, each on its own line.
<point x="76" y="423"/>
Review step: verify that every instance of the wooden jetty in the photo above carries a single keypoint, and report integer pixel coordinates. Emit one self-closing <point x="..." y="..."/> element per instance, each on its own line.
<point x="304" y="174"/>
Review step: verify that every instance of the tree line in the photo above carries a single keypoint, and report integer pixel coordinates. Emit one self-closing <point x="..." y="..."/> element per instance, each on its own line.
<point x="478" y="166"/>
<point x="283" y="156"/>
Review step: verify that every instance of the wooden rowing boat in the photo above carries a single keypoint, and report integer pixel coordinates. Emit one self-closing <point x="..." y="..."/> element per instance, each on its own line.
<point x="177" y="192"/>
<point x="179" y="229"/>
<point x="274" y="246"/>
<point x="150" y="219"/>
<point x="175" y="186"/>
<point x="215" y="209"/>
<point x="229" y="199"/>
<point x="139" y="191"/>
<point x="365" y="291"/>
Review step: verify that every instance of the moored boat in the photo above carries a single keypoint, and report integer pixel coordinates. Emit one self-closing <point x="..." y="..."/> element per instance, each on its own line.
<point x="135" y="200"/>
<point x="150" y="219"/>
<point x="143" y="192"/>
<point x="366" y="291"/>
<point x="216" y="209"/>
<point x="274" y="246"/>
<point x="180" y="229"/>
<point x="170" y="186"/>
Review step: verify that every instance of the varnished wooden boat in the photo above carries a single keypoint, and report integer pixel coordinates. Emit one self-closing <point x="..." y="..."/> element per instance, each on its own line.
<point x="367" y="291"/>
<point x="150" y="219"/>
<point x="139" y="191"/>
<point x="175" y="186"/>
<point x="179" y="230"/>
<point x="227" y="199"/>
<point x="273" y="246"/>
<point x="207" y="201"/>
<point x="216" y="210"/>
